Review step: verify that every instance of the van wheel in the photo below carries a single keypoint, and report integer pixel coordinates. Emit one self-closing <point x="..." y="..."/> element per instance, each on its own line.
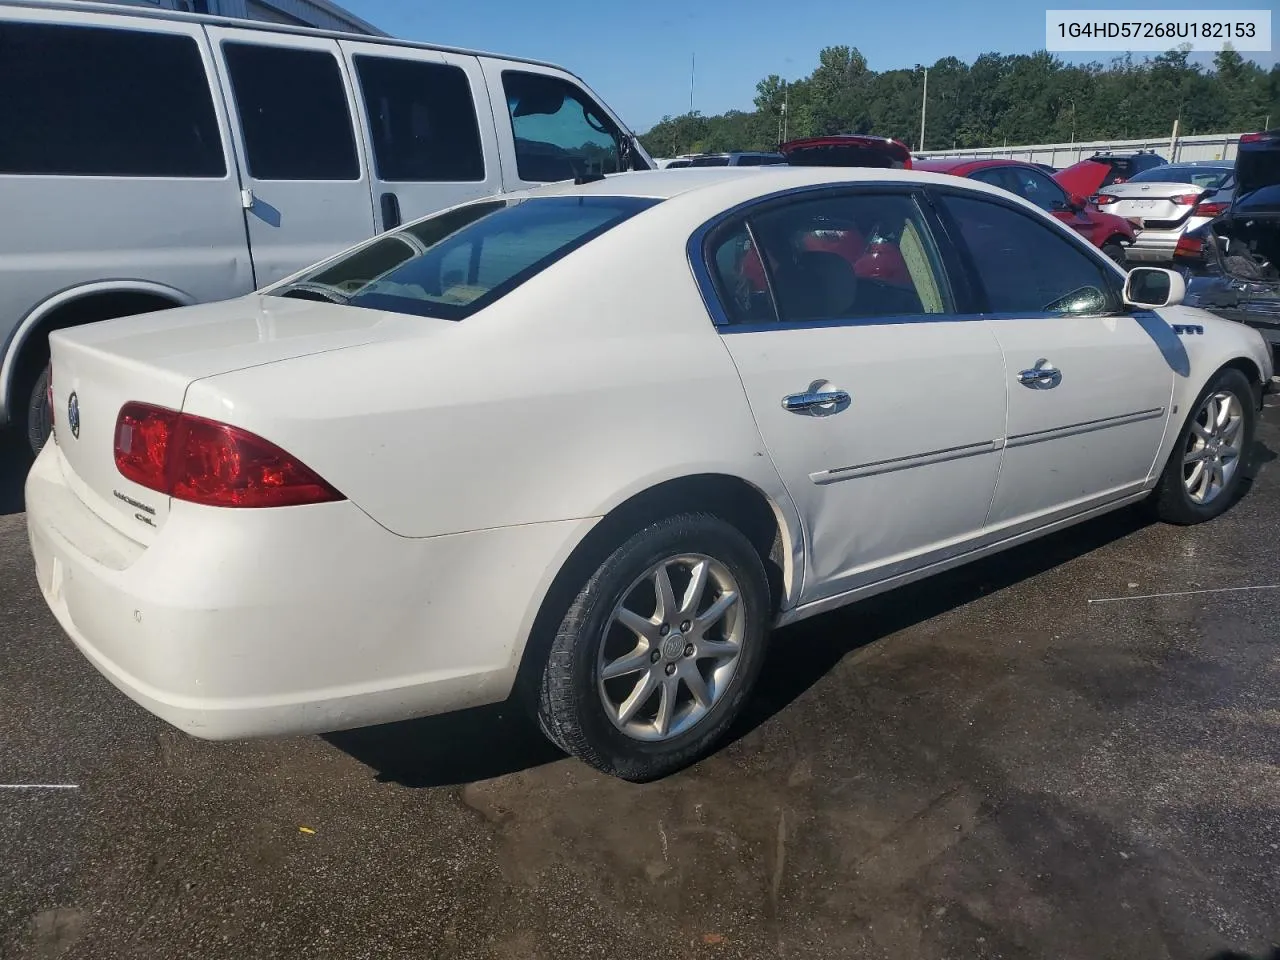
<point x="1116" y="252"/>
<point x="659" y="650"/>
<point x="1205" y="472"/>
<point x="39" y="416"/>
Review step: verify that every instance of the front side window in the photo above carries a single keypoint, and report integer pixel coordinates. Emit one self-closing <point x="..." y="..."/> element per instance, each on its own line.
<point x="560" y="132"/>
<point x="293" y="112"/>
<point x="422" y="120"/>
<point x="90" y="101"/>
<point x="1027" y="267"/>
<point x="857" y="256"/>
<point x="457" y="262"/>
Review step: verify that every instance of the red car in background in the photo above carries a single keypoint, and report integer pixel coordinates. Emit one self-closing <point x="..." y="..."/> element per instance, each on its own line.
<point x="1109" y="233"/>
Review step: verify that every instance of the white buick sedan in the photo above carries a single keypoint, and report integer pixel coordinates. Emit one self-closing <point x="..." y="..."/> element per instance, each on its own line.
<point x="588" y="444"/>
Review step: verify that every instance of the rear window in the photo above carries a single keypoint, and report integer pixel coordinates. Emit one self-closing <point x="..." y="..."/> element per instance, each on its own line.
<point x="458" y="262"/>
<point x="1179" y="173"/>
<point x="89" y="101"/>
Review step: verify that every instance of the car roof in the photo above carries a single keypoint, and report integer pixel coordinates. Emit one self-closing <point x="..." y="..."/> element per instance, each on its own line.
<point x="958" y="166"/>
<point x="374" y="36"/>
<point x="741" y="184"/>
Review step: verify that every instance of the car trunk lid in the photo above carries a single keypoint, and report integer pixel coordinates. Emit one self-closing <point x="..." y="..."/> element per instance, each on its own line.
<point x="847" y="150"/>
<point x="1257" y="162"/>
<point x="153" y="358"/>
<point x="1155" y="203"/>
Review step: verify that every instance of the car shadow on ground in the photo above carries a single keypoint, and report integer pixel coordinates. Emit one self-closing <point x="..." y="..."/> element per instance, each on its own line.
<point x="488" y="742"/>
<point x="15" y="461"/>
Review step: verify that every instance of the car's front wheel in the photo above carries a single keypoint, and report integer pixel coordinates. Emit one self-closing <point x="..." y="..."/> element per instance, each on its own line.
<point x="659" y="650"/>
<point x="1206" y="469"/>
<point x="1115" y="250"/>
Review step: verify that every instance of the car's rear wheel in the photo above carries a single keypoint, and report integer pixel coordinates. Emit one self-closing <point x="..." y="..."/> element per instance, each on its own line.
<point x="39" y="419"/>
<point x="1206" y="469"/>
<point x="659" y="650"/>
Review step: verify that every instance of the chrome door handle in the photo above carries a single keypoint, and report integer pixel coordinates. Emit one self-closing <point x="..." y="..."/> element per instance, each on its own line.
<point x="800" y="402"/>
<point x="1043" y="374"/>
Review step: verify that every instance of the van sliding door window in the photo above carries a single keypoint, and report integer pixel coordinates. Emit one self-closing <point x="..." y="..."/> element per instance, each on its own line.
<point x="560" y="132"/>
<point x="92" y="101"/>
<point x="293" y="112"/>
<point x="422" y="120"/>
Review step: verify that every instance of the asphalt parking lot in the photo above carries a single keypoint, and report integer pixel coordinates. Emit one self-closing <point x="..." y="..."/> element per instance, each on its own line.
<point x="985" y="765"/>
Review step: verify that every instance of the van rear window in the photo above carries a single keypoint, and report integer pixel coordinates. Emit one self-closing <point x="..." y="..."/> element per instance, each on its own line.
<point x="96" y="101"/>
<point x="458" y="262"/>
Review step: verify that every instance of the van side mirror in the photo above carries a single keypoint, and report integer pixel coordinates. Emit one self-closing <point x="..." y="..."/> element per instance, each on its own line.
<point x="1153" y="287"/>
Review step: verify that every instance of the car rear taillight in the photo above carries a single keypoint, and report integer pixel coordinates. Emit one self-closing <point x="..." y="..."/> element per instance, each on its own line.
<point x="1207" y="209"/>
<point x="1185" y="199"/>
<point x="1188" y="247"/>
<point x="1102" y="199"/>
<point x="215" y="464"/>
<point x="1251" y="137"/>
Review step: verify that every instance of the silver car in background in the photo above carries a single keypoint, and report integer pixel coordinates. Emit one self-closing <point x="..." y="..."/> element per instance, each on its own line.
<point x="1165" y="202"/>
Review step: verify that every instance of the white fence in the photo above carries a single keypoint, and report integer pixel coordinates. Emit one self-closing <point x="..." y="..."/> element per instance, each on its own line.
<point x="1217" y="146"/>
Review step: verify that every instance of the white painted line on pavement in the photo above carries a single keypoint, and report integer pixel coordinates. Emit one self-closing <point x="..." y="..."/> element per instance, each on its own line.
<point x="1187" y="593"/>
<point x="39" y="786"/>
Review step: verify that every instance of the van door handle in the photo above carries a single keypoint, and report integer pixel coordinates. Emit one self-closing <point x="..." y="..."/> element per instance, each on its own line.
<point x="390" y="211"/>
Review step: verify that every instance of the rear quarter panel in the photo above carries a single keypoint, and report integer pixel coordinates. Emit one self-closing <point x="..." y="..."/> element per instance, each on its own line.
<point x="593" y="381"/>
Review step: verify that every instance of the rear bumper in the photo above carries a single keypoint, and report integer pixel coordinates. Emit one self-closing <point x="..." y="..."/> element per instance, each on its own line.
<point x="248" y="623"/>
<point x="1156" y="245"/>
<point x="1153" y="245"/>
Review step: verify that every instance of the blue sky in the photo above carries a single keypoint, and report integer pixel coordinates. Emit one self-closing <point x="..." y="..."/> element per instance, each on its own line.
<point x="637" y="55"/>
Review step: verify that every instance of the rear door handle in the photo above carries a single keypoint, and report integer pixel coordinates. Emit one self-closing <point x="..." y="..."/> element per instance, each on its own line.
<point x="800" y="402"/>
<point x="1043" y="375"/>
<point x="390" y="211"/>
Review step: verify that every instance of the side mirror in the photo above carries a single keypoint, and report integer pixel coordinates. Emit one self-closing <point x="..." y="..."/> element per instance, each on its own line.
<point x="1154" y="287"/>
<point x="1076" y="203"/>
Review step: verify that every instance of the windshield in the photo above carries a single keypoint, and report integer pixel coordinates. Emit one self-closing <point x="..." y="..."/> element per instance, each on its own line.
<point x="458" y="262"/>
<point x="1210" y="177"/>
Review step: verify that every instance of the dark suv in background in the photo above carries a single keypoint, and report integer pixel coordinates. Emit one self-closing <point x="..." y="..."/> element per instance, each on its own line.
<point x="1234" y="260"/>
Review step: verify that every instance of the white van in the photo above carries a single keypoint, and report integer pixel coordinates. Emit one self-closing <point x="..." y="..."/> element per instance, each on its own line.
<point x="152" y="159"/>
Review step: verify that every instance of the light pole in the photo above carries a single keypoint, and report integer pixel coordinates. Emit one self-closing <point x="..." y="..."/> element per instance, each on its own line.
<point x="1071" y="101"/>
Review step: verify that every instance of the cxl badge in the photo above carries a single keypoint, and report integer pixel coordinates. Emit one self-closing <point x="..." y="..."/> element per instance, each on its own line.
<point x="73" y="415"/>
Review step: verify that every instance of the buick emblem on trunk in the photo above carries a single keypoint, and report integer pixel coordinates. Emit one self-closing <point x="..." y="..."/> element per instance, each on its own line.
<point x="73" y="415"/>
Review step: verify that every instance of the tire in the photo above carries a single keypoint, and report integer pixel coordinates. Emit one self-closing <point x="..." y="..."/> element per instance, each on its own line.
<point x="582" y="714"/>
<point x="1116" y="252"/>
<point x="39" y="417"/>
<point x="1174" y="499"/>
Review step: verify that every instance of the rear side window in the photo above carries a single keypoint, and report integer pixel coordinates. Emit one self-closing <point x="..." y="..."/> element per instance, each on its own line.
<point x="1027" y="267"/>
<point x="293" y="112"/>
<point x="87" y="101"/>
<point x="833" y="258"/>
<point x="560" y="132"/>
<point x="422" y="119"/>
<point x="1171" y="173"/>
<point x="460" y="261"/>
